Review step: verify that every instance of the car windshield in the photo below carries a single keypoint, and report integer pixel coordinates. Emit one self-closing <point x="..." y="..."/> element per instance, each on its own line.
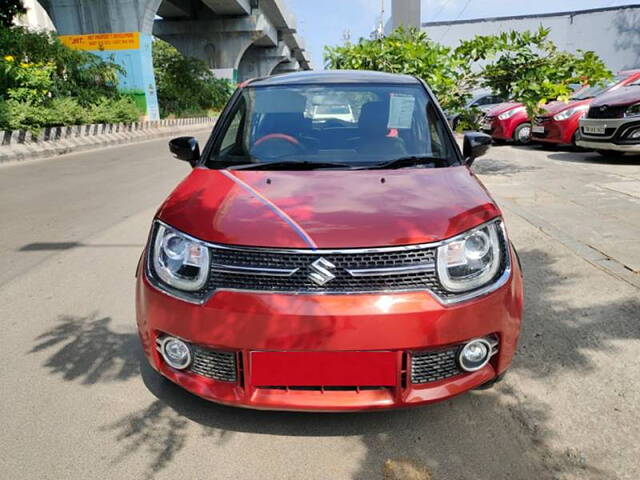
<point x="596" y="90"/>
<point x="333" y="126"/>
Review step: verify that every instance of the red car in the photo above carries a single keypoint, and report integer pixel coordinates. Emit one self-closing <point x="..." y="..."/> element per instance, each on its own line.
<point x="508" y="122"/>
<point x="330" y="265"/>
<point x="559" y="124"/>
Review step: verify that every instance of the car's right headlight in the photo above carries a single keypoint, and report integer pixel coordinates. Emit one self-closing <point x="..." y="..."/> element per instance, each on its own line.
<point x="471" y="260"/>
<point x="510" y="113"/>
<point x="178" y="260"/>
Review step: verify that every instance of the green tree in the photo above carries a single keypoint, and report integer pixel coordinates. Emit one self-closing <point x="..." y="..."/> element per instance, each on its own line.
<point x="74" y="73"/>
<point x="9" y="9"/>
<point x="185" y="85"/>
<point x="412" y="52"/>
<point x="529" y="68"/>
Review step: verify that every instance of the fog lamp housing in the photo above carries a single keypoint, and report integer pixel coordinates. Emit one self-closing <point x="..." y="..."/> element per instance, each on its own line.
<point x="175" y="352"/>
<point x="474" y="355"/>
<point x="633" y="133"/>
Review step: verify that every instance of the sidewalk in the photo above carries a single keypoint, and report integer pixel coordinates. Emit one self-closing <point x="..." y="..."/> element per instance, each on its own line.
<point x="21" y="145"/>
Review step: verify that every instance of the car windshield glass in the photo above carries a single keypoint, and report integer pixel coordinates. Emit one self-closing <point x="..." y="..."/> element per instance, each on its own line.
<point x="596" y="90"/>
<point x="333" y="126"/>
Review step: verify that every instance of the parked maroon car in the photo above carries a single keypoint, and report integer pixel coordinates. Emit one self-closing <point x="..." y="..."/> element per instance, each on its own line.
<point x="508" y="122"/>
<point x="559" y="124"/>
<point x="612" y="124"/>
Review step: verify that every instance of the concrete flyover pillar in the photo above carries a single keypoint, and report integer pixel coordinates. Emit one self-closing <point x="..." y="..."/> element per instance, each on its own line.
<point x="262" y="61"/>
<point x="221" y="41"/>
<point x="113" y="29"/>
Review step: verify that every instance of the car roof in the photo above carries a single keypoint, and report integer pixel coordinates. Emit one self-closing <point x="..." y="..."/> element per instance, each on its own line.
<point x="333" y="77"/>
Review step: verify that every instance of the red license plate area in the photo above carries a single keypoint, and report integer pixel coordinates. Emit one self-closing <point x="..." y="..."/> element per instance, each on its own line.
<point x="323" y="369"/>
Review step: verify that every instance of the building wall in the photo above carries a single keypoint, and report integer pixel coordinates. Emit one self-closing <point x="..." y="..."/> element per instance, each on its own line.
<point x="613" y="33"/>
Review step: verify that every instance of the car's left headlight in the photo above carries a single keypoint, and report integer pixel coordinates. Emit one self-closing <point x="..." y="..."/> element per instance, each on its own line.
<point x="510" y="113"/>
<point x="632" y="110"/>
<point x="570" y="112"/>
<point x="471" y="260"/>
<point x="178" y="260"/>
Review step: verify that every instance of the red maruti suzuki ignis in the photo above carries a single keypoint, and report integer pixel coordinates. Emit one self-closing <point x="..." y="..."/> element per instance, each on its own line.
<point x="330" y="263"/>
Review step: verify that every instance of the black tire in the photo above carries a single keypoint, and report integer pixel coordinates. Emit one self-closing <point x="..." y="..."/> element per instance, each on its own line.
<point x="610" y="153"/>
<point x="491" y="383"/>
<point x="522" y="134"/>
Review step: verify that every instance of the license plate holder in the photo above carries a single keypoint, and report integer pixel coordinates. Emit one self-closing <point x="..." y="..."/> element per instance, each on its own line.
<point x="270" y="368"/>
<point x="594" y="129"/>
<point x="537" y="129"/>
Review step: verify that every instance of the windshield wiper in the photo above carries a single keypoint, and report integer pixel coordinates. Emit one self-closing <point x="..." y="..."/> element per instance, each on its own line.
<point x="408" y="162"/>
<point x="289" y="165"/>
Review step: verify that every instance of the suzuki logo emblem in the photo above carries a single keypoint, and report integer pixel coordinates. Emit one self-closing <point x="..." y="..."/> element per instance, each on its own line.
<point x="321" y="271"/>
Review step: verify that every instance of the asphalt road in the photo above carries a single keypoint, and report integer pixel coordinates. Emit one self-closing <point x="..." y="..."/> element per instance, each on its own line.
<point x="79" y="402"/>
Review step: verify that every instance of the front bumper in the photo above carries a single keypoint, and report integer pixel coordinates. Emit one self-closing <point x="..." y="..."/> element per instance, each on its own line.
<point x="399" y="324"/>
<point x="557" y="132"/>
<point x="613" y="136"/>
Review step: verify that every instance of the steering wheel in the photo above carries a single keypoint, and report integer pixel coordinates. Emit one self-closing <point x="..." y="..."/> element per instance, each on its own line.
<point x="274" y="145"/>
<point x="277" y="136"/>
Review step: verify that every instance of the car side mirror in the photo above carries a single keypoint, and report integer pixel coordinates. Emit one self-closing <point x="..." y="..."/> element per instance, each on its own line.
<point x="475" y="144"/>
<point x="185" y="148"/>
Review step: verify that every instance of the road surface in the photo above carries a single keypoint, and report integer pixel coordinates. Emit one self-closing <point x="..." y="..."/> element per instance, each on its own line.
<point x="79" y="402"/>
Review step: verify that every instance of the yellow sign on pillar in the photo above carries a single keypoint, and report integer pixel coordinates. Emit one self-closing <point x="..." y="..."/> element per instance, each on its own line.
<point x="102" y="41"/>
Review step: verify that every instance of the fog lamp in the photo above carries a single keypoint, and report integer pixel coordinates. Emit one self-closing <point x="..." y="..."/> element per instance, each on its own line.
<point x="474" y="355"/>
<point x="176" y="353"/>
<point x="635" y="134"/>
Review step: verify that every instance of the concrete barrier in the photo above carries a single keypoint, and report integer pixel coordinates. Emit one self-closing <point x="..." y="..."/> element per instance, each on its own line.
<point x="22" y="145"/>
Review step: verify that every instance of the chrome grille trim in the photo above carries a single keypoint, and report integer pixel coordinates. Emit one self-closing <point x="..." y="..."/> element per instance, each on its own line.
<point x="376" y="272"/>
<point x="272" y="272"/>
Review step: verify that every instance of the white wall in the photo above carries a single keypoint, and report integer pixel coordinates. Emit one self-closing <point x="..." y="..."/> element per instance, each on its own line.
<point x="613" y="34"/>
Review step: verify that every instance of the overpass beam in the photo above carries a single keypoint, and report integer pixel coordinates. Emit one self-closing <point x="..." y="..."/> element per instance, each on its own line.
<point x="221" y="42"/>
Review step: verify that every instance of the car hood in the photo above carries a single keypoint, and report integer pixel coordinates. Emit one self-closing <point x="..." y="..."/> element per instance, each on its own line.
<point x="552" y="108"/>
<point x="502" y="107"/>
<point x="328" y="209"/>
<point x="621" y="96"/>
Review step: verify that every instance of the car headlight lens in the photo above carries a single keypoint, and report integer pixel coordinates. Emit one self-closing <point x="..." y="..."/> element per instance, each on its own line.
<point x="632" y="110"/>
<point x="570" y="112"/>
<point x="179" y="261"/>
<point x="470" y="260"/>
<point x="510" y="113"/>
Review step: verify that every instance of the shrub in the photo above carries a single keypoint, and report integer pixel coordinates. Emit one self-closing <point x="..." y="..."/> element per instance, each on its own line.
<point x="185" y="85"/>
<point x="122" y="110"/>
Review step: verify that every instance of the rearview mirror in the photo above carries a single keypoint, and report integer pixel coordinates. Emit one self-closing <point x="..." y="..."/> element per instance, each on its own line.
<point x="475" y="145"/>
<point x="185" y="148"/>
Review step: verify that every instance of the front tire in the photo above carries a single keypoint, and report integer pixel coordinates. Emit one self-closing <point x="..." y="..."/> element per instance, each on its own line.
<point x="491" y="383"/>
<point x="522" y="134"/>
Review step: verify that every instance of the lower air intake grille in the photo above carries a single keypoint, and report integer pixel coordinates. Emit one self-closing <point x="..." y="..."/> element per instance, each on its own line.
<point x="433" y="366"/>
<point x="214" y="364"/>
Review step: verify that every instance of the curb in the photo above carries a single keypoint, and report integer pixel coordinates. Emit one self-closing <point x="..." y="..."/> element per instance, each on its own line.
<point x="20" y="146"/>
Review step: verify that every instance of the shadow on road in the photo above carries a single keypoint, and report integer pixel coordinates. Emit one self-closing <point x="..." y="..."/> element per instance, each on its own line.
<point x="594" y="158"/>
<point x="478" y="435"/>
<point x="87" y="350"/>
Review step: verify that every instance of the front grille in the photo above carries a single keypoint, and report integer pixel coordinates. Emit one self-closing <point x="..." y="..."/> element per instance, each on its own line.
<point x="433" y="366"/>
<point x="343" y="281"/>
<point x="606" y="111"/>
<point x="539" y="120"/>
<point x="214" y="364"/>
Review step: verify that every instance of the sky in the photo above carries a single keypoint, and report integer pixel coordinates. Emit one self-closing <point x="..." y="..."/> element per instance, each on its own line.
<point x="323" y="22"/>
